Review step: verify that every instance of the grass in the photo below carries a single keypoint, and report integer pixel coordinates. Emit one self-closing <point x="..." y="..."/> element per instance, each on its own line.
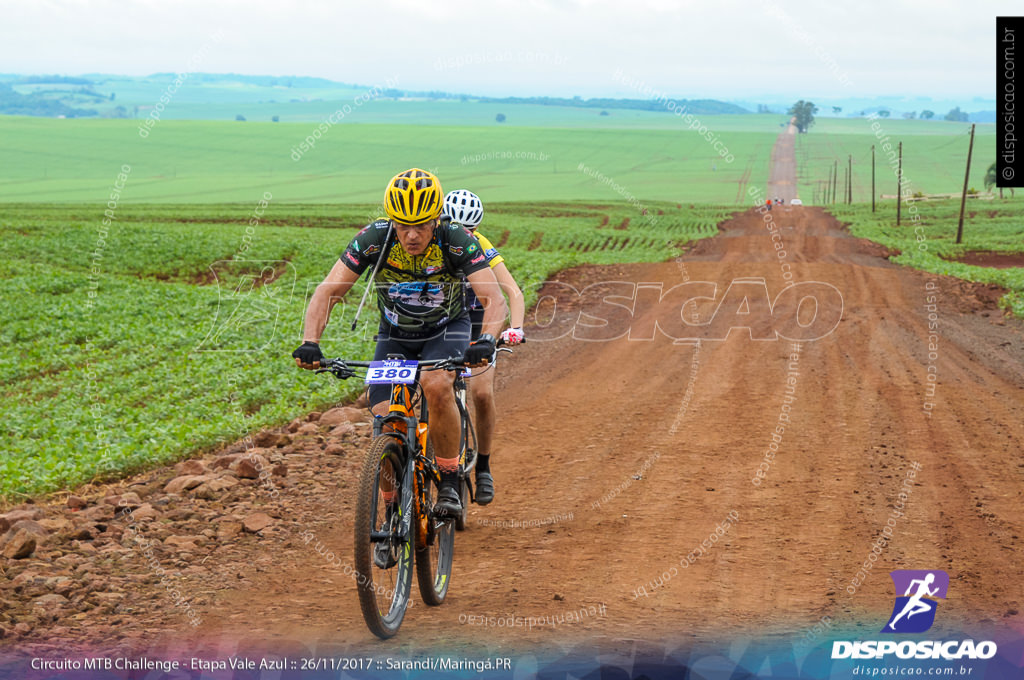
<point x="114" y="357"/>
<point x="934" y="157"/>
<point x="200" y="161"/>
<point x="996" y="226"/>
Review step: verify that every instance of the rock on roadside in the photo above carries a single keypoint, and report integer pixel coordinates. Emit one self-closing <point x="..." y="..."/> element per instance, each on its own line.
<point x="20" y="545"/>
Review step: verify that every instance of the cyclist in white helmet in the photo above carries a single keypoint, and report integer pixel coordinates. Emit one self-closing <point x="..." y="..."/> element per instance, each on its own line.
<point x="467" y="209"/>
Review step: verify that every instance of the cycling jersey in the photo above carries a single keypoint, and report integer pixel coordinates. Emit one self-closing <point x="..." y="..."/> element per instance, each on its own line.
<point x="493" y="257"/>
<point x="418" y="293"/>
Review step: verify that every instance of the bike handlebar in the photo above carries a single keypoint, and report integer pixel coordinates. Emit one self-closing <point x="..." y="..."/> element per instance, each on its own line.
<point x="342" y="369"/>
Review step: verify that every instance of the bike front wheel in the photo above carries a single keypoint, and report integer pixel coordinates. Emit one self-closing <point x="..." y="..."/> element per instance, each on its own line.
<point x="435" y="545"/>
<point x="383" y="549"/>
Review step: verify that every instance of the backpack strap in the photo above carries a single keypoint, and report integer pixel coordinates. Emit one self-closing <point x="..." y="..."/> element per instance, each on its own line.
<point x="443" y="243"/>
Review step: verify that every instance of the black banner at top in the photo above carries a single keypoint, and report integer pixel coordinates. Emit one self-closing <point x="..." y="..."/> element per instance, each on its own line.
<point x="1009" y="120"/>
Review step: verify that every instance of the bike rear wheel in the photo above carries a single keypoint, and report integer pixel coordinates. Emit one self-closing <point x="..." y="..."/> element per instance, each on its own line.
<point x="383" y="583"/>
<point x="435" y="547"/>
<point x="460" y="520"/>
<point x="467" y="466"/>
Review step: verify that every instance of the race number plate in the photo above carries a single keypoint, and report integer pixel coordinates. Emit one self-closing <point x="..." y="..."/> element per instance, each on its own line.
<point x="390" y="371"/>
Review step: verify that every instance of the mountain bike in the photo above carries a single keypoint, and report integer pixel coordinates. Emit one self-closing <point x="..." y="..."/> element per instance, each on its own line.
<point x="393" y="537"/>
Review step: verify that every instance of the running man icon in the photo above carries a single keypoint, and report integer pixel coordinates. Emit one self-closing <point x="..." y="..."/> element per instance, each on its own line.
<point x="916" y="586"/>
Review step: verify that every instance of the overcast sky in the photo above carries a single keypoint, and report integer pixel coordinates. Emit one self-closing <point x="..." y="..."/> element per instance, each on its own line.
<point x="714" y="48"/>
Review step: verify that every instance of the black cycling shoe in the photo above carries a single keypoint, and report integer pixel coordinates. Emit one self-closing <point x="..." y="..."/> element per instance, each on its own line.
<point x="448" y="503"/>
<point x="484" y="488"/>
<point x="385" y="553"/>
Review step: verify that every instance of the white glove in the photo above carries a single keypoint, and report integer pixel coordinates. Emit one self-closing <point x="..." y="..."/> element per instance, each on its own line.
<point x="512" y="336"/>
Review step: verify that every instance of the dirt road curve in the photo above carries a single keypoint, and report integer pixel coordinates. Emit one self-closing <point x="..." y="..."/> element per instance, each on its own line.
<point x="619" y="457"/>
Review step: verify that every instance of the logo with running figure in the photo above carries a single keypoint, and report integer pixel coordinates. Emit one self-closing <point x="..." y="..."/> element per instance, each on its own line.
<point x="914" y="611"/>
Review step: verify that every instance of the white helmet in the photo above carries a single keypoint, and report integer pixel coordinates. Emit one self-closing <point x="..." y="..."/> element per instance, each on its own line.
<point x="464" y="207"/>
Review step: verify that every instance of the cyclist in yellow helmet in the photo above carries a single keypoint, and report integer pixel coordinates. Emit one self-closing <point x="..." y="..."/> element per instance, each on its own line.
<point x="419" y="280"/>
<point x="467" y="209"/>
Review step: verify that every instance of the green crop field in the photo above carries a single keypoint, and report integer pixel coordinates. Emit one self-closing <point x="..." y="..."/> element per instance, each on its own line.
<point x="934" y="156"/>
<point x="141" y="342"/>
<point x="168" y="332"/>
<point x="75" y="160"/>
<point x="929" y="243"/>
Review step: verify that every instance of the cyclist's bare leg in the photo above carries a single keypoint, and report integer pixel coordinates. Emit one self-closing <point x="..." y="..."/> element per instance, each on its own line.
<point x="482" y="394"/>
<point x="444" y="415"/>
<point x="481" y="388"/>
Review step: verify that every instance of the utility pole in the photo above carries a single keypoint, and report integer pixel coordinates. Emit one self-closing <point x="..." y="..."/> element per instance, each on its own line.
<point x="872" y="178"/>
<point x="835" y="178"/>
<point x="899" y="184"/>
<point x="963" y="197"/>
<point x="849" y="173"/>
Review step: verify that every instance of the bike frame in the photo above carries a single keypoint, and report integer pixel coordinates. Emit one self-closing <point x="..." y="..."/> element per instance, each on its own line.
<point x="411" y="431"/>
<point x="402" y="423"/>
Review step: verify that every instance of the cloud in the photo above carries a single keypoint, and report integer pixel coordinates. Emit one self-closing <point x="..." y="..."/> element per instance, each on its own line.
<point x="553" y="47"/>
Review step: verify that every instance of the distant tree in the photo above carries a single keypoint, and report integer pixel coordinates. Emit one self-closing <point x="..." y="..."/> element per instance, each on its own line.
<point x="837" y="110"/>
<point x="112" y="95"/>
<point x="603" y="113"/>
<point x="500" y="118"/>
<point x="37" y="104"/>
<point x="927" y="115"/>
<point x="275" y="118"/>
<point x="884" y="113"/>
<point x="239" y="117"/>
<point x="956" y="115"/>
<point x="803" y="112"/>
<point x="990" y="180"/>
<point x="55" y="79"/>
<point x="910" y="115"/>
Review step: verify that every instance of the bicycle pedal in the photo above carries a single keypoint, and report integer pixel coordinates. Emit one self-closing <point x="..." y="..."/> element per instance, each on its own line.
<point x="440" y="519"/>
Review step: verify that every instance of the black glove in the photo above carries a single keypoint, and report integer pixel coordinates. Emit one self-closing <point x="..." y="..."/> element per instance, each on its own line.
<point x="308" y="353"/>
<point x="481" y="351"/>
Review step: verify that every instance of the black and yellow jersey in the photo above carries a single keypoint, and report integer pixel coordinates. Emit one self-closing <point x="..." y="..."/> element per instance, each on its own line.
<point x="418" y="293"/>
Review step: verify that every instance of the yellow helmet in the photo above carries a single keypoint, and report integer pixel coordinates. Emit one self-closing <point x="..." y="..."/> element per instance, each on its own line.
<point x="413" y="197"/>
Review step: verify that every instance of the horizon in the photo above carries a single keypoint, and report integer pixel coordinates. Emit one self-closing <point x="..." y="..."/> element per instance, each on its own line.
<point x="747" y="100"/>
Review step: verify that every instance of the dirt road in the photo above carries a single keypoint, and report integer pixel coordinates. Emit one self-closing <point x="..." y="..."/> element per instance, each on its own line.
<point x="782" y="174"/>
